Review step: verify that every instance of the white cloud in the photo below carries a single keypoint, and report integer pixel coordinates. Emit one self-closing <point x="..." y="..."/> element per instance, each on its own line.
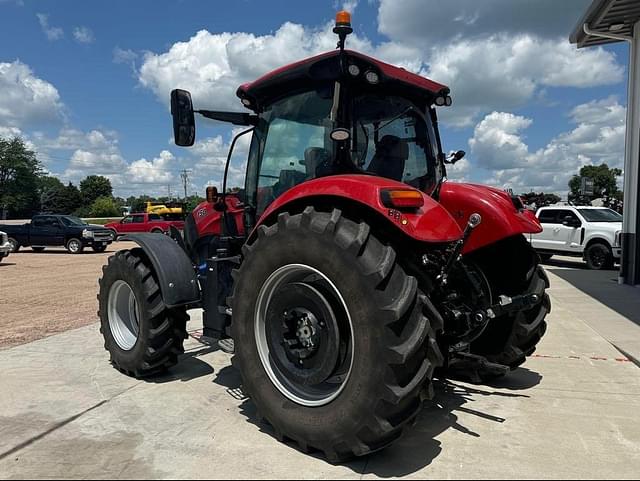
<point x="26" y="99"/>
<point x="83" y="35"/>
<point x="52" y="33"/>
<point x="496" y="142"/>
<point x="212" y="66"/>
<point x="598" y="137"/>
<point x="503" y="72"/>
<point x="125" y="56"/>
<point x="159" y="170"/>
<point x="429" y="22"/>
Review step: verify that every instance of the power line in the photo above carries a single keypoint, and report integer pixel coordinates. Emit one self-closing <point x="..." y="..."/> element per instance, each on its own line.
<point x="184" y="175"/>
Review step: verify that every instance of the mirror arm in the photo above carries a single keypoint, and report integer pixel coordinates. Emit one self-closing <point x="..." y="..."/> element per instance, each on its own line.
<point x="235" y="118"/>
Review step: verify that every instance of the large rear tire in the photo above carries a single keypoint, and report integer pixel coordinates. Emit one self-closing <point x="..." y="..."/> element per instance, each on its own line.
<point x="143" y="336"/>
<point x="512" y="269"/>
<point x="364" y="382"/>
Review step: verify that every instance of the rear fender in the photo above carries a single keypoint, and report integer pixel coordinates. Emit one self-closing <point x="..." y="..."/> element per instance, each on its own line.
<point x="175" y="272"/>
<point x="500" y="217"/>
<point x="431" y="223"/>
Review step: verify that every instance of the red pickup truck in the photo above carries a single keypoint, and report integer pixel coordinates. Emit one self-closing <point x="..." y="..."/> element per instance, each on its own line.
<point x="142" y="223"/>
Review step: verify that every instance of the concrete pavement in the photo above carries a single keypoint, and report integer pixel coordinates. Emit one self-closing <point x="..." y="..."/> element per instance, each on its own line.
<point x="571" y="412"/>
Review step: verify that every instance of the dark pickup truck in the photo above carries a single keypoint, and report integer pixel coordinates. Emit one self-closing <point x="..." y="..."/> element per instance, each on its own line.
<point x="57" y="230"/>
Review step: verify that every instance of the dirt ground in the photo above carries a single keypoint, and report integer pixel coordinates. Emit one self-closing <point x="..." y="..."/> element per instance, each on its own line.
<point x="50" y="292"/>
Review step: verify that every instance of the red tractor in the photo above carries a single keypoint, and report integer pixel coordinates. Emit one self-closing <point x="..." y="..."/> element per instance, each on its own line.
<point x="348" y="271"/>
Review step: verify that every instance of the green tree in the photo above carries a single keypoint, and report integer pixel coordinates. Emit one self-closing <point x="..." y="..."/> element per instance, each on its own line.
<point x="95" y="187"/>
<point x="57" y="198"/>
<point x="104" y="207"/>
<point x="19" y="173"/>
<point x="540" y="199"/>
<point x="605" y="182"/>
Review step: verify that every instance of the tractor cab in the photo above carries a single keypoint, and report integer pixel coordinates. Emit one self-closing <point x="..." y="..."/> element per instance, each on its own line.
<point x="337" y="113"/>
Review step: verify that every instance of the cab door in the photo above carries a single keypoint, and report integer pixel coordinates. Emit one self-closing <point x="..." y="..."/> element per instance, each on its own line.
<point x="547" y="239"/>
<point x="47" y="231"/>
<point x="569" y="230"/>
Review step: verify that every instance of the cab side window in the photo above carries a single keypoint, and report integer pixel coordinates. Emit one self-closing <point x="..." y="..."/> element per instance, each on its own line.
<point x="567" y="213"/>
<point x="39" y="222"/>
<point x="549" y="217"/>
<point x="138" y="219"/>
<point x="127" y="220"/>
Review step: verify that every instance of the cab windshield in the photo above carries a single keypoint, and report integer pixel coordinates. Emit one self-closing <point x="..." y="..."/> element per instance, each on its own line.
<point x="390" y="137"/>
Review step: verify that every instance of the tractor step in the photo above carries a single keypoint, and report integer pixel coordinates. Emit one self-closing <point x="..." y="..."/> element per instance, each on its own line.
<point x="227" y="345"/>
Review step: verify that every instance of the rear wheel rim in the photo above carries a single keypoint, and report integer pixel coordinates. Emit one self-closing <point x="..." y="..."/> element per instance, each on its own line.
<point x="304" y="335"/>
<point x="14" y="245"/>
<point x="124" y="315"/>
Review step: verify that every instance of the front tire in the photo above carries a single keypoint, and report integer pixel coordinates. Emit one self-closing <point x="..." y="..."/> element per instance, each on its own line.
<point x="15" y="245"/>
<point x="598" y="256"/>
<point x="143" y="336"/>
<point x="352" y="396"/>
<point x="99" y="249"/>
<point x="75" y="246"/>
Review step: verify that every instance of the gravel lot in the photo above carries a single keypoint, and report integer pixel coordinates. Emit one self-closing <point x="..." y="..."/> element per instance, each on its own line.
<point x="47" y="293"/>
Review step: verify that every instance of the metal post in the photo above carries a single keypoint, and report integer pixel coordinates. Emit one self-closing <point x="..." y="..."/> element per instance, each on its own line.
<point x="630" y="265"/>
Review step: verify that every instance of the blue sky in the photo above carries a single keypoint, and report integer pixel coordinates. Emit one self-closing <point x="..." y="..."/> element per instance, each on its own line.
<point x="88" y="82"/>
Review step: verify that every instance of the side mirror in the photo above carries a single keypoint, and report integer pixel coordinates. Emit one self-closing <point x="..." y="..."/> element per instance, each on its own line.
<point x="455" y="157"/>
<point x="184" y="124"/>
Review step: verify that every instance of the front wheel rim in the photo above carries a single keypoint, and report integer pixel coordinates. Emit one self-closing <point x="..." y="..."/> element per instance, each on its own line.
<point x="124" y="315"/>
<point x="304" y="335"/>
<point x="74" y="246"/>
<point x="598" y="258"/>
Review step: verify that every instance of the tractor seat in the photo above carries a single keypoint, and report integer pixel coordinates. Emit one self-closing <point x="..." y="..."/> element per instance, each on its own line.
<point x="288" y="179"/>
<point x="390" y="157"/>
<point x="317" y="162"/>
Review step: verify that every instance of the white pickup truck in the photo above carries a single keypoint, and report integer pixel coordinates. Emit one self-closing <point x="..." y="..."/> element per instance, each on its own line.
<point x="5" y="246"/>
<point x="592" y="233"/>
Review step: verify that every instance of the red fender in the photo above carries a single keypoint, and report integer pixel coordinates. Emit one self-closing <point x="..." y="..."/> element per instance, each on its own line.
<point x="500" y="217"/>
<point x="431" y="223"/>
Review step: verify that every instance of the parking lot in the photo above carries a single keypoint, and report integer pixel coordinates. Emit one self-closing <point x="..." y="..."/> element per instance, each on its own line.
<point x="570" y="412"/>
<point x="50" y="292"/>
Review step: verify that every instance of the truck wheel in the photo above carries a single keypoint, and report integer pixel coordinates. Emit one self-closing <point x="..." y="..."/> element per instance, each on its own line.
<point x="113" y="234"/>
<point x="38" y="249"/>
<point x="598" y="256"/>
<point x="509" y="339"/>
<point x="334" y="341"/>
<point x="74" y="246"/>
<point x="142" y="335"/>
<point x="15" y="245"/>
<point x="99" y="249"/>
<point x="157" y="231"/>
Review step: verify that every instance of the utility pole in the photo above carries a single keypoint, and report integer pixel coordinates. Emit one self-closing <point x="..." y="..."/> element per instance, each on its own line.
<point x="184" y="175"/>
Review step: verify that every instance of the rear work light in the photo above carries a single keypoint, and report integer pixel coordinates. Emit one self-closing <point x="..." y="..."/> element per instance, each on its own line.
<point x="402" y="199"/>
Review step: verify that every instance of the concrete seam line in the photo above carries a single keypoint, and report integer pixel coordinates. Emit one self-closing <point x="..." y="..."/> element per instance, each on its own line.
<point x="59" y="425"/>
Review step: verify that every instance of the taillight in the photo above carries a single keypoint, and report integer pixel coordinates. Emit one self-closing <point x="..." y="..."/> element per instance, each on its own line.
<point x="402" y="199"/>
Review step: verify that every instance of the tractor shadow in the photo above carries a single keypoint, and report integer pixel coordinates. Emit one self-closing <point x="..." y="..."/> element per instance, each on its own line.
<point x="189" y="367"/>
<point x="418" y="448"/>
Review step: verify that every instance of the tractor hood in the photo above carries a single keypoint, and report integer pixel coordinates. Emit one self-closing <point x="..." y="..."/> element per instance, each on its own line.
<point x="324" y="69"/>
